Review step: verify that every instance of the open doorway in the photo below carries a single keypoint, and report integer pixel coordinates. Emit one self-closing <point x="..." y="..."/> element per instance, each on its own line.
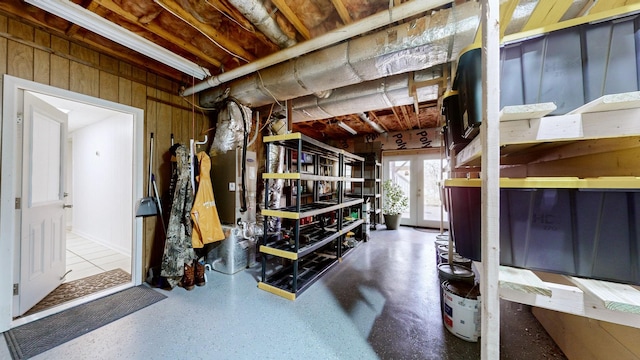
<point x="98" y="189"/>
<point x="100" y="179"/>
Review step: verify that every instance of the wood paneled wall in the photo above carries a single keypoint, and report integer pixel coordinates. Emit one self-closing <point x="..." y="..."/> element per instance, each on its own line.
<point x="30" y="53"/>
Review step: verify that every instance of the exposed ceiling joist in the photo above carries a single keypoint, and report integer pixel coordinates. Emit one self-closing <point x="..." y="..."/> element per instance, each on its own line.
<point x="293" y="18"/>
<point x="506" y="12"/>
<point x="374" y="118"/>
<point x="232" y="13"/>
<point x="546" y="12"/>
<point x="158" y="30"/>
<point x="342" y="11"/>
<point x="73" y="29"/>
<point x="226" y="44"/>
<point x="191" y="28"/>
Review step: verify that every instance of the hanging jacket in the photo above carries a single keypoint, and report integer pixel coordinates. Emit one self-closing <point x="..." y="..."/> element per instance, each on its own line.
<point x="206" y="221"/>
<point x="178" y="249"/>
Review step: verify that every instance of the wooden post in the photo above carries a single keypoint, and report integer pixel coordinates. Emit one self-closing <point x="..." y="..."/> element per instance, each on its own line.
<point x="490" y="137"/>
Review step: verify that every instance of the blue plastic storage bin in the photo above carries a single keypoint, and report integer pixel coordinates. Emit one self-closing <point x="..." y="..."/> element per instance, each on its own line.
<point x="581" y="227"/>
<point x="569" y="67"/>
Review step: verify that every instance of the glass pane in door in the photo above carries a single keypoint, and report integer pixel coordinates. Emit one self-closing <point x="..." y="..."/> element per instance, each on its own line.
<point x="432" y="199"/>
<point x="400" y="173"/>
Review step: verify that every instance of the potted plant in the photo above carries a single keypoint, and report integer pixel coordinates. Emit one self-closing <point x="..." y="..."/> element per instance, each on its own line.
<point x="395" y="203"/>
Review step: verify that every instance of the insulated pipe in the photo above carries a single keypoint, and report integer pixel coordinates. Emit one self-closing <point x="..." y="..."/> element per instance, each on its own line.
<point x="373" y="22"/>
<point x="422" y="44"/>
<point x="371" y="95"/>
<point x="258" y="15"/>
<point x="369" y="122"/>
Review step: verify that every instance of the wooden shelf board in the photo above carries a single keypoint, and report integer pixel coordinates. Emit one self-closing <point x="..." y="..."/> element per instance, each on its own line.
<point x="611" y="102"/>
<point x="614" y="296"/>
<point x="562" y="128"/>
<point x="595" y="299"/>
<point x="523" y="112"/>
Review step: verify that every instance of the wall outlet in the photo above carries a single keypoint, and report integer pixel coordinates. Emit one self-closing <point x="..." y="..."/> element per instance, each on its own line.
<point x="232" y="186"/>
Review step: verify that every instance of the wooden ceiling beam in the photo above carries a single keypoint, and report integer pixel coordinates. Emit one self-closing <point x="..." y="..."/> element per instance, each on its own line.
<point x="406" y="114"/>
<point x="226" y="44"/>
<point x="342" y="11"/>
<point x="73" y="29"/>
<point x="374" y="117"/>
<point x="545" y="13"/>
<point x="232" y="13"/>
<point x="293" y="18"/>
<point x="506" y="13"/>
<point x="397" y="117"/>
<point x="604" y="5"/>
<point x="585" y="9"/>
<point x="86" y="39"/>
<point x="159" y="31"/>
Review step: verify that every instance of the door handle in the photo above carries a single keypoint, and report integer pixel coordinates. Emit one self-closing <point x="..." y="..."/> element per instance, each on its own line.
<point x="65" y="206"/>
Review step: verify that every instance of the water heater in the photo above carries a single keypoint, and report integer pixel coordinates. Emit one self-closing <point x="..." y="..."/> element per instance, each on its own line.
<point x="235" y="194"/>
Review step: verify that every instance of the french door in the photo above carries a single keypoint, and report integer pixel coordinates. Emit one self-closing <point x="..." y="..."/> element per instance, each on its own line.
<point x="419" y="174"/>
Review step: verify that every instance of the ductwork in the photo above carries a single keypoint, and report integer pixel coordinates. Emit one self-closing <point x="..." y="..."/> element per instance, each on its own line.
<point x="420" y="44"/>
<point x="258" y="15"/>
<point x="378" y="20"/>
<point x="371" y="95"/>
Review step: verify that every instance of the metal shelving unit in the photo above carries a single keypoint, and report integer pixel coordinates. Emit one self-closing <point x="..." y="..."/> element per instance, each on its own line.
<point x="313" y="238"/>
<point x="371" y="187"/>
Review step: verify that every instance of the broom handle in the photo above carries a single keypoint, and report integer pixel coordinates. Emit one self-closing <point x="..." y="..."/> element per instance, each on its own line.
<point x="150" y="165"/>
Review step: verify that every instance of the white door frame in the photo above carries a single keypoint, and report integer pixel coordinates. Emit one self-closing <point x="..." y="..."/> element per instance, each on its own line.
<point x="10" y="218"/>
<point x="416" y="208"/>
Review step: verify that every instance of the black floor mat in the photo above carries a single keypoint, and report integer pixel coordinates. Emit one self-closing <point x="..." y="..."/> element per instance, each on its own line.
<point x="36" y="337"/>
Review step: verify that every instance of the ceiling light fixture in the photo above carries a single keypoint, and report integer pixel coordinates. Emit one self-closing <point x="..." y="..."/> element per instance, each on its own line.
<point x="99" y="25"/>
<point x="347" y="127"/>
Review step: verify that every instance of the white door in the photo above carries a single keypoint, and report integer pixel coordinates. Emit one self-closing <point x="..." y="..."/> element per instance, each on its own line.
<point x="43" y="240"/>
<point x="420" y="177"/>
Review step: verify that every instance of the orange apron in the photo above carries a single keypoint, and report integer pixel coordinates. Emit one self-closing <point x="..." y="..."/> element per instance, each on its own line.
<point x="206" y="222"/>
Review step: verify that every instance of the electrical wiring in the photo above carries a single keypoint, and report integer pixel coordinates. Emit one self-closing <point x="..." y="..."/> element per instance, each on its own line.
<point x="230" y="17"/>
<point x="201" y="108"/>
<point x="165" y="7"/>
<point x="267" y="90"/>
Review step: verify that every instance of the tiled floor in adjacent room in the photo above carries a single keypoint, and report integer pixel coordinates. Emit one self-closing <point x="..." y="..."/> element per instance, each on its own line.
<point x="86" y="258"/>
<point x="380" y="302"/>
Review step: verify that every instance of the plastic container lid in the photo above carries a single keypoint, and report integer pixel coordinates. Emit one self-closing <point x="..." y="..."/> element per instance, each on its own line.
<point x="606" y="182"/>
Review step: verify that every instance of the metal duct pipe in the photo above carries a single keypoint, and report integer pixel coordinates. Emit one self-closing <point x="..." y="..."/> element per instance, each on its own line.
<point x="367" y="96"/>
<point x="370" y="122"/>
<point x="420" y="44"/>
<point x="258" y="15"/>
<point x="370" y="23"/>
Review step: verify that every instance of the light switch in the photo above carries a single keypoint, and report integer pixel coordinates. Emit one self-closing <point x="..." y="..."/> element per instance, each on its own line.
<point x="232" y="186"/>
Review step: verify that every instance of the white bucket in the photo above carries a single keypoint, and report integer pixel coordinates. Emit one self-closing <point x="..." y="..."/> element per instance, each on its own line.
<point x="461" y="310"/>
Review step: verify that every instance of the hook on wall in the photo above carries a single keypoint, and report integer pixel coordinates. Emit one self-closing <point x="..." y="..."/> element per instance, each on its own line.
<point x="206" y="139"/>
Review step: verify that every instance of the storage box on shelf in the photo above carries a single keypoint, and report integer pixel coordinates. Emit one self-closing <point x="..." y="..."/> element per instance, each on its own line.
<point x="566" y="106"/>
<point x="579" y="227"/>
<point x="314" y="234"/>
<point x="453" y="130"/>
<point x="570" y="67"/>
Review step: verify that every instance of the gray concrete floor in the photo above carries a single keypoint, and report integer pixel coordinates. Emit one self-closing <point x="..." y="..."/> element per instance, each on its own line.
<point x="381" y="302"/>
